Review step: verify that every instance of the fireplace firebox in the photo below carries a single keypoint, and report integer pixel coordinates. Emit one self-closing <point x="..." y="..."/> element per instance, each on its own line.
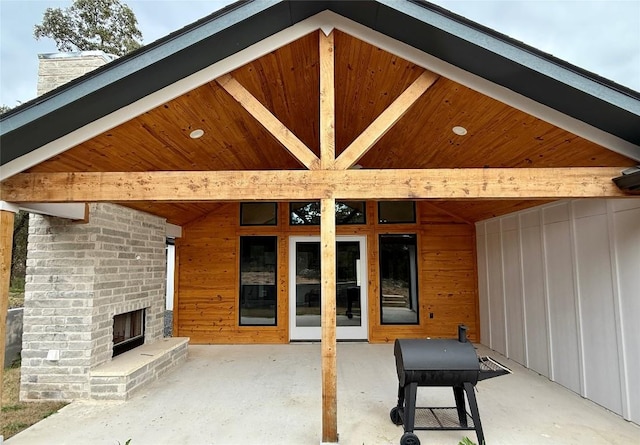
<point x="128" y="331"/>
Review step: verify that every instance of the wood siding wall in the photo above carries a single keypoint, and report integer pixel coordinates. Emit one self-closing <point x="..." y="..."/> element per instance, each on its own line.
<point x="207" y="276"/>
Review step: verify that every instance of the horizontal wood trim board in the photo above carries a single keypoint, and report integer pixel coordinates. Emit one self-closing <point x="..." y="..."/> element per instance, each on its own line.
<point x="173" y="186"/>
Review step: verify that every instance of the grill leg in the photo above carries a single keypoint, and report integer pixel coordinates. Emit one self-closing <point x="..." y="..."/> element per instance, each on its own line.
<point x="458" y="394"/>
<point x="473" y="406"/>
<point x="400" y="397"/>
<point x="410" y="391"/>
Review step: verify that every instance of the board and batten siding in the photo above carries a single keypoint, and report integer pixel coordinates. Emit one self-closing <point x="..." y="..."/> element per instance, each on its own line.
<point x="207" y="276"/>
<point x="559" y="289"/>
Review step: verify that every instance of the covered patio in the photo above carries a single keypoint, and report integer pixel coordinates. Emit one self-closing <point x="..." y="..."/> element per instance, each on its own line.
<point x="419" y="123"/>
<point x="270" y="394"/>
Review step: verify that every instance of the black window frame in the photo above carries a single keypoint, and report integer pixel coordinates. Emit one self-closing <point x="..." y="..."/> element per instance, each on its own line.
<point x="240" y="306"/>
<point x="415" y="217"/>
<point x="413" y="236"/>
<point x="275" y="220"/>
<point x="338" y="223"/>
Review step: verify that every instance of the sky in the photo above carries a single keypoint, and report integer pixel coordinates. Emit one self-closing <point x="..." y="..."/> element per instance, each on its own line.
<point x="601" y="36"/>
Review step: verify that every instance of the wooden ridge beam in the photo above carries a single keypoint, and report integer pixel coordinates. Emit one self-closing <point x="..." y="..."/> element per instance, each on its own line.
<point x="383" y="123"/>
<point x="294" y="185"/>
<point x="272" y="124"/>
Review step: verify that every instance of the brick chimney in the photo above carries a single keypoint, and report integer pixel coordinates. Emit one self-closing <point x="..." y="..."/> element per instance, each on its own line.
<point x="56" y="69"/>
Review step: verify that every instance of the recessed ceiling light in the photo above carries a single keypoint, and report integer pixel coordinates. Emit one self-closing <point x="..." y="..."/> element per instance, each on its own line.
<point x="195" y="134"/>
<point x="460" y="131"/>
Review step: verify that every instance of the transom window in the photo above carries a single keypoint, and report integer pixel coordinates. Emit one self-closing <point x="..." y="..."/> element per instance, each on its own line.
<point x="396" y="212"/>
<point x="308" y="213"/>
<point x="258" y="214"/>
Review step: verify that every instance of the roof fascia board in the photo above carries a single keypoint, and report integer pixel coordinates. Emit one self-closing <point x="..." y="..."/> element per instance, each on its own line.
<point x="41" y="124"/>
<point x="135" y="63"/>
<point x="300" y="29"/>
<point x="511" y="52"/>
<point x="374" y="16"/>
<point x="164" y="95"/>
<point x="484" y="86"/>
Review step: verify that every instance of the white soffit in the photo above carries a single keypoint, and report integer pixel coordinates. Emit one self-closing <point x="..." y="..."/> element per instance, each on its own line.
<point x="324" y="20"/>
<point x="75" y="211"/>
<point x="173" y="231"/>
<point x="8" y="207"/>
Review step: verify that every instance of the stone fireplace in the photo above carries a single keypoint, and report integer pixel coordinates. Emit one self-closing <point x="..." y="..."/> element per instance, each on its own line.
<point x="80" y="277"/>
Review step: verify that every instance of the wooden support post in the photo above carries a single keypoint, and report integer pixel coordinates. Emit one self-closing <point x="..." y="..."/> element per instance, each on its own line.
<point x="6" y="243"/>
<point x="328" y="323"/>
<point x="328" y="242"/>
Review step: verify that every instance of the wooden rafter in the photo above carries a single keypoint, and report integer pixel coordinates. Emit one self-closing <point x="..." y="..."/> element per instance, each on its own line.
<point x="292" y="185"/>
<point x="383" y="123"/>
<point x="271" y="123"/>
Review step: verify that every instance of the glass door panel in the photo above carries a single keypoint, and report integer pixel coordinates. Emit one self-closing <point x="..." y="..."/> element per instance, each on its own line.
<point x="305" y="292"/>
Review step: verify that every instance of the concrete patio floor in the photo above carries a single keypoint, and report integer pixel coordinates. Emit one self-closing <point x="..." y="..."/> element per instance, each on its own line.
<point x="271" y="395"/>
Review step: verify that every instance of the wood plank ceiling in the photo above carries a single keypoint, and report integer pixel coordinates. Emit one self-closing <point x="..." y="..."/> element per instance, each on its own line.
<point x="368" y="80"/>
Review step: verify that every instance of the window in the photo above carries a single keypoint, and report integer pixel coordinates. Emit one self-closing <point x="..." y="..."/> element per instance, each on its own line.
<point x="396" y="212"/>
<point x="308" y="213"/>
<point x="398" y="279"/>
<point x="258" y="214"/>
<point x="258" y="266"/>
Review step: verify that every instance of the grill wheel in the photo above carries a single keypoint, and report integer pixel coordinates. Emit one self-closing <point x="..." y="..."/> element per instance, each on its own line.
<point x="395" y="416"/>
<point x="409" y="439"/>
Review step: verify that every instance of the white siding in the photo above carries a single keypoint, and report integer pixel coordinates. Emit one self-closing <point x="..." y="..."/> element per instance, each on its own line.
<point x="512" y="266"/>
<point x="626" y="247"/>
<point x="495" y="291"/>
<point x="481" y="244"/>
<point x="568" y="276"/>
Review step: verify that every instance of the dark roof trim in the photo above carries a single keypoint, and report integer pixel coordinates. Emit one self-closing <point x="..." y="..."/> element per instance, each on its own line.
<point x="469" y="46"/>
<point x="629" y="181"/>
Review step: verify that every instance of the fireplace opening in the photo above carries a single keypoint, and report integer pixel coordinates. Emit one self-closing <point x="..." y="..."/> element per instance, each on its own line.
<point x="128" y="331"/>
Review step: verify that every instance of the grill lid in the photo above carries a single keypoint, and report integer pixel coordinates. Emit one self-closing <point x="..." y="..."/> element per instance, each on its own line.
<point x="435" y="355"/>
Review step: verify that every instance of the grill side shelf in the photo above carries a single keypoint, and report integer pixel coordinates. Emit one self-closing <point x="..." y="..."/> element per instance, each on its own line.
<point x="490" y="368"/>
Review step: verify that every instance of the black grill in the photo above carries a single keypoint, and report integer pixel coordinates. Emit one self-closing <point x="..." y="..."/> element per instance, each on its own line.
<point x="440" y="362"/>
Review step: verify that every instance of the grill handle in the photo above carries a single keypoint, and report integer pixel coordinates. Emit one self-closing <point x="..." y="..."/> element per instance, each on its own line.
<point x="462" y="333"/>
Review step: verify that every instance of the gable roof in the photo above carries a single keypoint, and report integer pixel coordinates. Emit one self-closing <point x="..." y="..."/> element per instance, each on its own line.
<point x="586" y="97"/>
<point x="523" y="108"/>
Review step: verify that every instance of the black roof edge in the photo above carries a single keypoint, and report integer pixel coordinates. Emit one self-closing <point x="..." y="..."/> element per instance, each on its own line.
<point x="246" y="22"/>
<point x="629" y="182"/>
<point x="530" y="49"/>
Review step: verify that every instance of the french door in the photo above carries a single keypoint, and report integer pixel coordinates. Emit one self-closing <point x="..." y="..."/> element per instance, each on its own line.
<point x="304" y="288"/>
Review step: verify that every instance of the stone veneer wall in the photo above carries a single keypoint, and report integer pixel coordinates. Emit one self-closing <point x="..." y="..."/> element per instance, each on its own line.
<point x="59" y="68"/>
<point x="78" y="277"/>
